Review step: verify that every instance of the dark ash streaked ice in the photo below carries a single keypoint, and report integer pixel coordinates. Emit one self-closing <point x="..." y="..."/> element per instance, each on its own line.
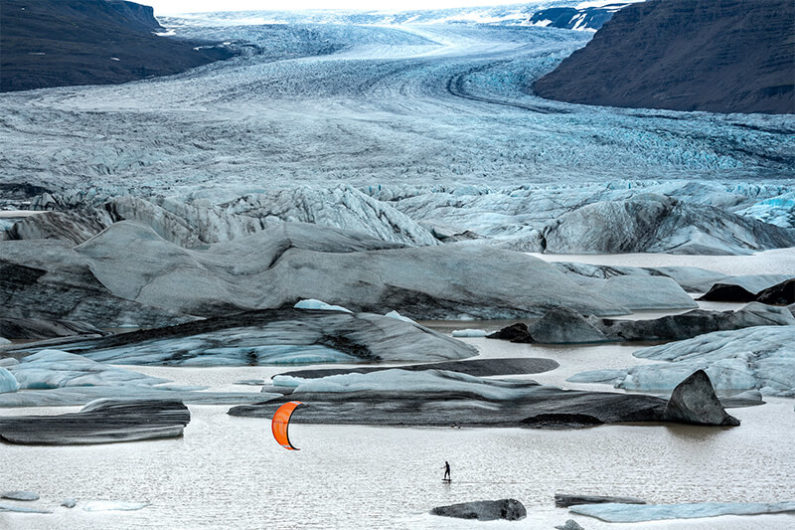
<point x="278" y="336"/>
<point x="102" y="421"/>
<point x="438" y="397"/>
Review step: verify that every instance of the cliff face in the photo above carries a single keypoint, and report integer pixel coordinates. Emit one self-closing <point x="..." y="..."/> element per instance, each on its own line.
<point x="47" y="43"/>
<point x="712" y="55"/>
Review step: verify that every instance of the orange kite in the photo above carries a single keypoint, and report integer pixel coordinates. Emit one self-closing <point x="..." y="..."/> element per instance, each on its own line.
<point x="280" y="422"/>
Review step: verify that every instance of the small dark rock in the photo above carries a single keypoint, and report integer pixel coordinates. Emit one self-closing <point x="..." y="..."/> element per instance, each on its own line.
<point x="779" y="294"/>
<point x="508" y="509"/>
<point x="515" y="333"/>
<point x="694" y="401"/>
<point x="571" y="524"/>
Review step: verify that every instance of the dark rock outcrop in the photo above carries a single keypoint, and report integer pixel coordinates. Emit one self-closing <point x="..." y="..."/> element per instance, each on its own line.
<point x="779" y="294"/>
<point x="508" y="509"/>
<point x="713" y="55"/>
<point x="726" y="292"/>
<point x="694" y="401"/>
<point x="79" y="42"/>
<point x="104" y="421"/>
<point x="564" y="500"/>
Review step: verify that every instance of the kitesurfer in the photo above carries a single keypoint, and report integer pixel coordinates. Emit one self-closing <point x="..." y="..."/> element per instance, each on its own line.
<point x="446" y="470"/>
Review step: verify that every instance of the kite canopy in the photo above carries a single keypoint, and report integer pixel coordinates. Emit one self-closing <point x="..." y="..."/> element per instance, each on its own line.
<point x="280" y="422"/>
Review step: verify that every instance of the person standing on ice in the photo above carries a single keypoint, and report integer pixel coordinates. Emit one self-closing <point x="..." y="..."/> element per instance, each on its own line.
<point x="446" y="470"/>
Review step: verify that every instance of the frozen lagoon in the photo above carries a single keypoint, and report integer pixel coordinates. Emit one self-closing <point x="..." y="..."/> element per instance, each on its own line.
<point x="228" y="471"/>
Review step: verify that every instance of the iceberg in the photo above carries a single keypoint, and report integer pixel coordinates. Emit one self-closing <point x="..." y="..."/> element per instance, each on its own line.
<point x="459" y="333"/>
<point x="8" y="383"/>
<point x="311" y="303"/>
<point x="283" y="336"/>
<point x="756" y="358"/>
<point x="636" y="513"/>
<point x="55" y="369"/>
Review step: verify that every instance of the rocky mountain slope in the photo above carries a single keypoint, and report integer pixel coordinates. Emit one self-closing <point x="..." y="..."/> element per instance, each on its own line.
<point x="79" y="42"/>
<point x="712" y="55"/>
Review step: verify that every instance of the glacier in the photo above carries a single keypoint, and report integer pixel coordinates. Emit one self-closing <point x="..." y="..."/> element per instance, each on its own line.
<point x="755" y="358"/>
<point x="369" y="106"/>
<point x="410" y="133"/>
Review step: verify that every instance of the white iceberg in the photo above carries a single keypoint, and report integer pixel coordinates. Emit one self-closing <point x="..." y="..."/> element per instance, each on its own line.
<point x="469" y="333"/>
<point x="311" y="303"/>
<point x="55" y="369"/>
<point x="756" y="358"/>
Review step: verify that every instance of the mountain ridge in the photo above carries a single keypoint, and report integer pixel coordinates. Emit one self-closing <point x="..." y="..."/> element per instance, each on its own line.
<point x="708" y="55"/>
<point x="48" y="43"/>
